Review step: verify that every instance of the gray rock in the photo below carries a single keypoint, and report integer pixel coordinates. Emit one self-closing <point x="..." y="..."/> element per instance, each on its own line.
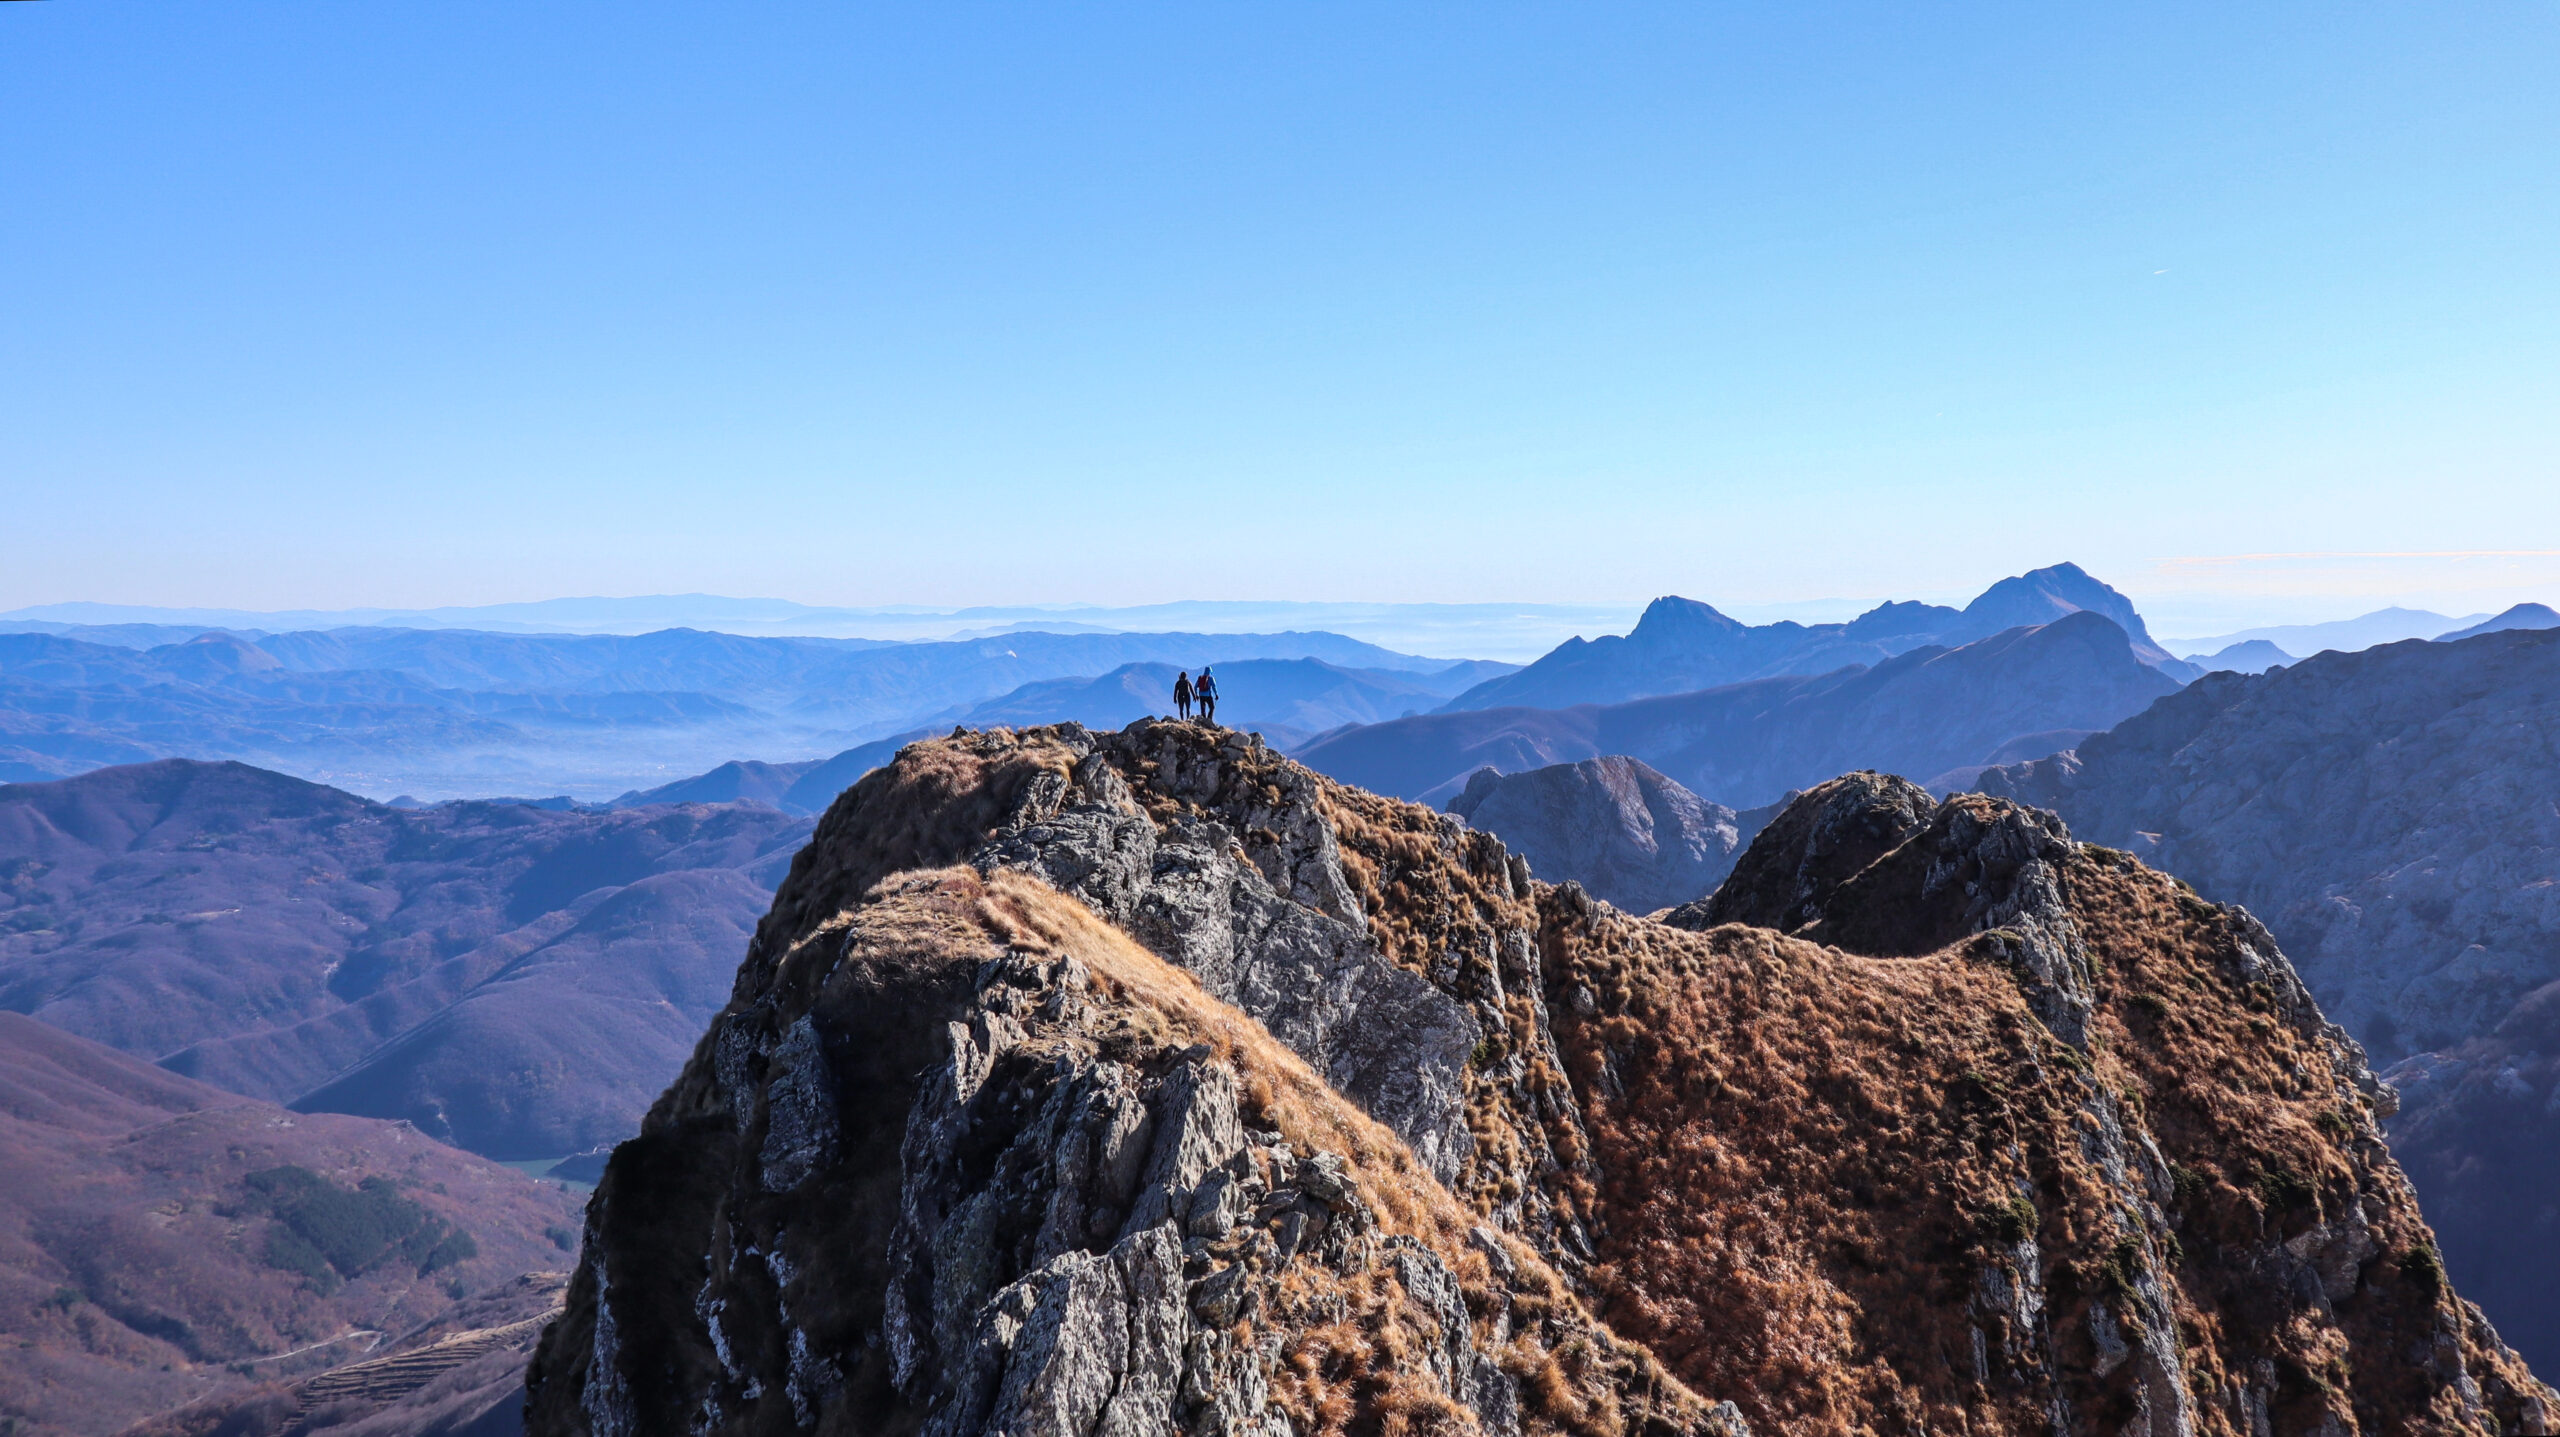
<point x="1807" y="850"/>
<point x="800" y="1110"/>
<point x="1274" y="930"/>
<point x="2389" y="814"/>
<point x="1631" y="836"/>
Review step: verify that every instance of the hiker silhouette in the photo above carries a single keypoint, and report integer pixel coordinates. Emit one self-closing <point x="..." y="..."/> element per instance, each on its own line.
<point x="1205" y="690"/>
<point x="1182" y="696"/>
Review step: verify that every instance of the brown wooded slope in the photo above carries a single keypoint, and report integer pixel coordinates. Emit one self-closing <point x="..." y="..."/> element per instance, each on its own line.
<point x="135" y="1267"/>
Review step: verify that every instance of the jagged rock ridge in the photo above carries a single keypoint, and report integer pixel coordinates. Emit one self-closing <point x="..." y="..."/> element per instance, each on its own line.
<point x="1040" y="1108"/>
<point x="2390" y="814"/>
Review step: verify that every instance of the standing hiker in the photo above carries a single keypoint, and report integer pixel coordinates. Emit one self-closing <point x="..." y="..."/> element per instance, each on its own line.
<point x="1206" y="691"/>
<point x="1182" y="695"/>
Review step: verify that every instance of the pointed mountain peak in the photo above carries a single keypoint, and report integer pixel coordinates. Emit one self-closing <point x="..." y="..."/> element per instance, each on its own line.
<point x="1672" y="616"/>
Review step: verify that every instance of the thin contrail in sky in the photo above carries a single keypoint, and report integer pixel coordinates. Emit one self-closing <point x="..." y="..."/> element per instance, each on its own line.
<point x="2194" y="559"/>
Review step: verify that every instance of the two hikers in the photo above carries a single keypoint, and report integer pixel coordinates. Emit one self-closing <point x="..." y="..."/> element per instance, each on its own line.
<point x="1205" y="693"/>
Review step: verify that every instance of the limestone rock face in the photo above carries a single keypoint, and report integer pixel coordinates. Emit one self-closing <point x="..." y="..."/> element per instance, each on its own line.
<point x="1626" y="833"/>
<point x="1118" y="1083"/>
<point x="2390" y="814"/>
<point x="1063" y="1191"/>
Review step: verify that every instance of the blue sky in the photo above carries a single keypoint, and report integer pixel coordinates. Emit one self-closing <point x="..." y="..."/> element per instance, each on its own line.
<point x="407" y="304"/>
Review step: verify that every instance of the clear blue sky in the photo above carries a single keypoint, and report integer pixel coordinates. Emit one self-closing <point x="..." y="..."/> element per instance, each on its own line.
<point x="400" y="303"/>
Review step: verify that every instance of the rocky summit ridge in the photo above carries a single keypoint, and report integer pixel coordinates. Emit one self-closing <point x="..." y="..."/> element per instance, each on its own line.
<point x="1122" y="1082"/>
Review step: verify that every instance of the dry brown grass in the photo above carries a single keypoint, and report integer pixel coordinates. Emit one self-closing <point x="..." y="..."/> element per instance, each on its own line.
<point x="1797" y="1149"/>
<point x="1794" y="1161"/>
<point x="2269" y="1139"/>
<point x="1353" y="1365"/>
<point x="1165" y="1006"/>
<point x="929" y="807"/>
<point x="1804" y="1157"/>
<point x="1434" y="904"/>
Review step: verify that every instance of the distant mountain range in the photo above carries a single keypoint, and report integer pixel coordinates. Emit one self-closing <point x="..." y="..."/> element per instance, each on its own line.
<point x="2522" y="616"/>
<point x="1681" y="645"/>
<point x="1497" y="630"/>
<point x="1288" y="700"/>
<point x="1929" y="711"/>
<point x="162" y="1241"/>
<point x="2390" y="815"/>
<point x="455" y="713"/>
<point x="1829" y="697"/>
<point x="2382" y="626"/>
<point x="2249" y="656"/>
<point x="516" y="981"/>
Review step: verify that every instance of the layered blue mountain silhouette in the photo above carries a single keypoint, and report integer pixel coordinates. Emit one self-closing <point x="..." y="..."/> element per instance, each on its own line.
<point x="1927" y="711"/>
<point x="455" y="713"/>
<point x="1682" y="645"/>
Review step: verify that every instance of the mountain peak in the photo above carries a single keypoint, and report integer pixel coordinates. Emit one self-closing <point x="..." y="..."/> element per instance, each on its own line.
<point x="2040" y="596"/>
<point x="1674" y="618"/>
<point x="2522" y="616"/>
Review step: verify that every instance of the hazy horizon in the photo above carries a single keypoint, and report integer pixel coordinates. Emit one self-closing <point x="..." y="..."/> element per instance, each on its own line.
<point x="1512" y="632"/>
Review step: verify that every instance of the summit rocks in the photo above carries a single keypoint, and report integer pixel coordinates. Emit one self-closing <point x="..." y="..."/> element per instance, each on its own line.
<point x="1111" y="1083"/>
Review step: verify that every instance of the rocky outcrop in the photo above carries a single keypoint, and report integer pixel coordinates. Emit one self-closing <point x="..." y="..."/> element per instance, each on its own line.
<point x="2389" y="812"/>
<point x="1060" y="1093"/>
<point x="1812" y="848"/>
<point x="1078" y="1196"/>
<point x="1614" y="825"/>
<point x="2145" y="1170"/>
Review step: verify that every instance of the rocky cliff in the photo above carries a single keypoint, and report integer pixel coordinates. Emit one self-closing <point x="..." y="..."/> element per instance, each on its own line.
<point x="2391" y="814"/>
<point x="2389" y="811"/>
<point x="1086" y="1083"/>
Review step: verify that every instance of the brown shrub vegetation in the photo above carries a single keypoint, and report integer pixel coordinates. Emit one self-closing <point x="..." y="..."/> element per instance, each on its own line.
<point x="1804" y="1159"/>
